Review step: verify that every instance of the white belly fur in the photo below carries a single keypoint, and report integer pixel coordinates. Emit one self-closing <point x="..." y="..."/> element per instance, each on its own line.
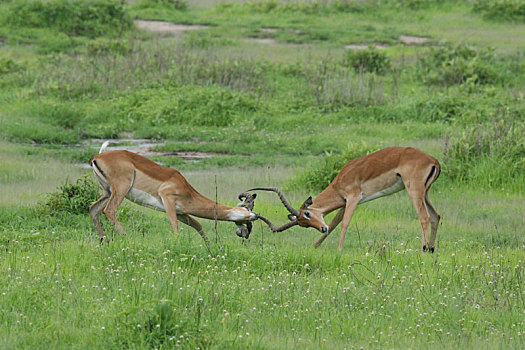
<point x="398" y="186"/>
<point x="145" y="199"/>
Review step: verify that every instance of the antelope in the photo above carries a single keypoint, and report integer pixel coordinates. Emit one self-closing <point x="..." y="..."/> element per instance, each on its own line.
<point x="123" y="174"/>
<point x="363" y="179"/>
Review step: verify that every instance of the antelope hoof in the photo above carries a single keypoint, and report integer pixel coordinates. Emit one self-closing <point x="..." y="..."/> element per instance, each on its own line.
<point x="431" y="250"/>
<point x="424" y="249"/>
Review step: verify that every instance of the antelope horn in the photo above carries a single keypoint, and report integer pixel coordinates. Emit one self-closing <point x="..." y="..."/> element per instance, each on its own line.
<point x="291" y="209"/>
<point x="248" y="200"/>
<point x="277" y="229"/>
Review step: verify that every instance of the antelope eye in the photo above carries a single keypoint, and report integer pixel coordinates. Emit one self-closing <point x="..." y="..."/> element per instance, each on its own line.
<point x="307" y="214"/>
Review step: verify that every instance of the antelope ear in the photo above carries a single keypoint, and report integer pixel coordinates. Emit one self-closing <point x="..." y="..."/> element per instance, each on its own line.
<point x="308" y="202"/>
<point x="292" y="217"/>
<point x="254" y="195"/>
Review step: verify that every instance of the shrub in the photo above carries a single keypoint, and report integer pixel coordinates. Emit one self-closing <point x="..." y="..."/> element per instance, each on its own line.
<point x="76" y="18"/>
<point x="170" y="4"/>
<point x="509" y="10"/>
<point x="8" y="65"/>
<point x="490" y="155"/>
<point x="368" y="60"/>
<point x="318" y="176"/>
<point x="450" y="65"/>
<point x="72" y="198"/>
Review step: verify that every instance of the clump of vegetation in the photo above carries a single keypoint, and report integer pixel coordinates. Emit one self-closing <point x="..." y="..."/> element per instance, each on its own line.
<point x="8" y="65"/>
<point x="306" y="7"/>
<point x="458" y="64"/>
<point x="71" y="198"/>
<point x="74" y="18"/>
<point x="489" y="155"/>
<point x="318" y="176"/>
<point x="107" y="46"/>
<point x="505" y="10"/>
<point x="171" y="4"/>
<point x="368" y="60"/>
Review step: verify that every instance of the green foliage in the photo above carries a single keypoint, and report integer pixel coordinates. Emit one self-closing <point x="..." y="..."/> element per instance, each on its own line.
<point x="8" y="65"/>
<point x="75" y="18"/>
<point x="304" y="7"/>
<point x="490" y="154"/>
<point x="368" y="60"/>
<point x="199" y="39"/>
<point x="169" y="4"/>
<point x="503" y="10"/>
<point x="108" y="46"/>
<point x="450" y="64"/>
<point x="318" y="176"/>
<point x="71" y="198"/>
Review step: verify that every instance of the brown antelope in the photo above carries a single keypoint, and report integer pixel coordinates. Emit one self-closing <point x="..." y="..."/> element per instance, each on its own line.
<point x="123" y="174"/>
<point x="378" y="174"/>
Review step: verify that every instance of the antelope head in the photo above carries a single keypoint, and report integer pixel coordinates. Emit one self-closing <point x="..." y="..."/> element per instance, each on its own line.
<point x="247" y="201"/>
<point x="304" y="217"/>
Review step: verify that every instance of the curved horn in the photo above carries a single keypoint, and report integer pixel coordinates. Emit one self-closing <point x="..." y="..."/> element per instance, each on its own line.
<point x="291" y="209"/>
<point x="248" y="200"/>
<point x="277" y="229"/>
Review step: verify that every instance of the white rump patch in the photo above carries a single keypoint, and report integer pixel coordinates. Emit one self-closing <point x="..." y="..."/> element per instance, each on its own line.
<point x="145" y="199"/>
<point x="398" y="186"/>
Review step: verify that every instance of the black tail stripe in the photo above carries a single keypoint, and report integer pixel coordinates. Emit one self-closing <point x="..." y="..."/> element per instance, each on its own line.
<point x="98" y="168"/>
<point x="429" y="178"/>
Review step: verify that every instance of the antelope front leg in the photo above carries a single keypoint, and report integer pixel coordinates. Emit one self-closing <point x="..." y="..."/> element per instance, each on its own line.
<point x="351" y="204"/>
<point x="333" y="224"/>
<point x="169" y="205"/>
<point x="188" y="220"/>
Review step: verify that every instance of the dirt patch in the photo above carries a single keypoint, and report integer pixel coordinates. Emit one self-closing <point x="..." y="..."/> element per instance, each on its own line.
<point x="365" y="46"/>
<point x="267" y="41"/>
<point x="144" y="148"/>
<point x="413" y="40"/>
<point x="166" y="27"/>
<point x="269" y="30"/>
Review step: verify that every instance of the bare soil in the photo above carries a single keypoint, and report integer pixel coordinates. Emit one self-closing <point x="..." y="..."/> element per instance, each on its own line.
<point x="161" y="27"/>
<point x="413" y="40"/>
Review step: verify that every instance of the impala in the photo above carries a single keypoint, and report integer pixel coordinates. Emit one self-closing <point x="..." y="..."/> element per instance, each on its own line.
<point x="123" y="174"/>
<point x="378" y="174"/>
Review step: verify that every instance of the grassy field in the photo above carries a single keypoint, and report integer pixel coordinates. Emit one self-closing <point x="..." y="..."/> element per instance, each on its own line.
<point x="268" y="91"/>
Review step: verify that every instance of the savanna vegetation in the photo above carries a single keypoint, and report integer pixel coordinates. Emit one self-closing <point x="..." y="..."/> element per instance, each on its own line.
<point x="269" y="92"/>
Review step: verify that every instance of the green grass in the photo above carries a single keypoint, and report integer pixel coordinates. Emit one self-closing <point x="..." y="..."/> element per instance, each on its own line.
<point x="151" y="288"/>
<point x="269" y="113"/>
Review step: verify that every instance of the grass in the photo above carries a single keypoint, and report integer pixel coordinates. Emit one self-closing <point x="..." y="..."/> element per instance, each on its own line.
<point x="268" y="113"/>
<point x="151" y="288"/>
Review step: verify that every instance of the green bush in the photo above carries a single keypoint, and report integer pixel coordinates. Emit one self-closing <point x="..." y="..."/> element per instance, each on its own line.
<point x="489" y="155"/>
<point x="506" y="10"/>
<point x="318" y="176"/>
<point x="75" y="18"/>
<point x="8" y="65"/>
<point x="105" y="46"/>
<point x="170" y="4"/>
<point x="450" y="65"/>
<point x="71" y="198"/>
<point x="368" y="60"/>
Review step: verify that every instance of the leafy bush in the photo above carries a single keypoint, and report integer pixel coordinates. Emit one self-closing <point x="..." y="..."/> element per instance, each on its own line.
<point x="318" y="176"/>
<point x="8" y="65"/>
<point x="489" y="154"/>
<point x="170" y="4"/>
<point x="305" y="7"/>
<point x="449" y="65"/>
<point x="507" y="10"/>
<point x="105" y="46"/>
<point x="368" y="60"/>
<point x="75" y="18"/>
<point x="72" y="198"/>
